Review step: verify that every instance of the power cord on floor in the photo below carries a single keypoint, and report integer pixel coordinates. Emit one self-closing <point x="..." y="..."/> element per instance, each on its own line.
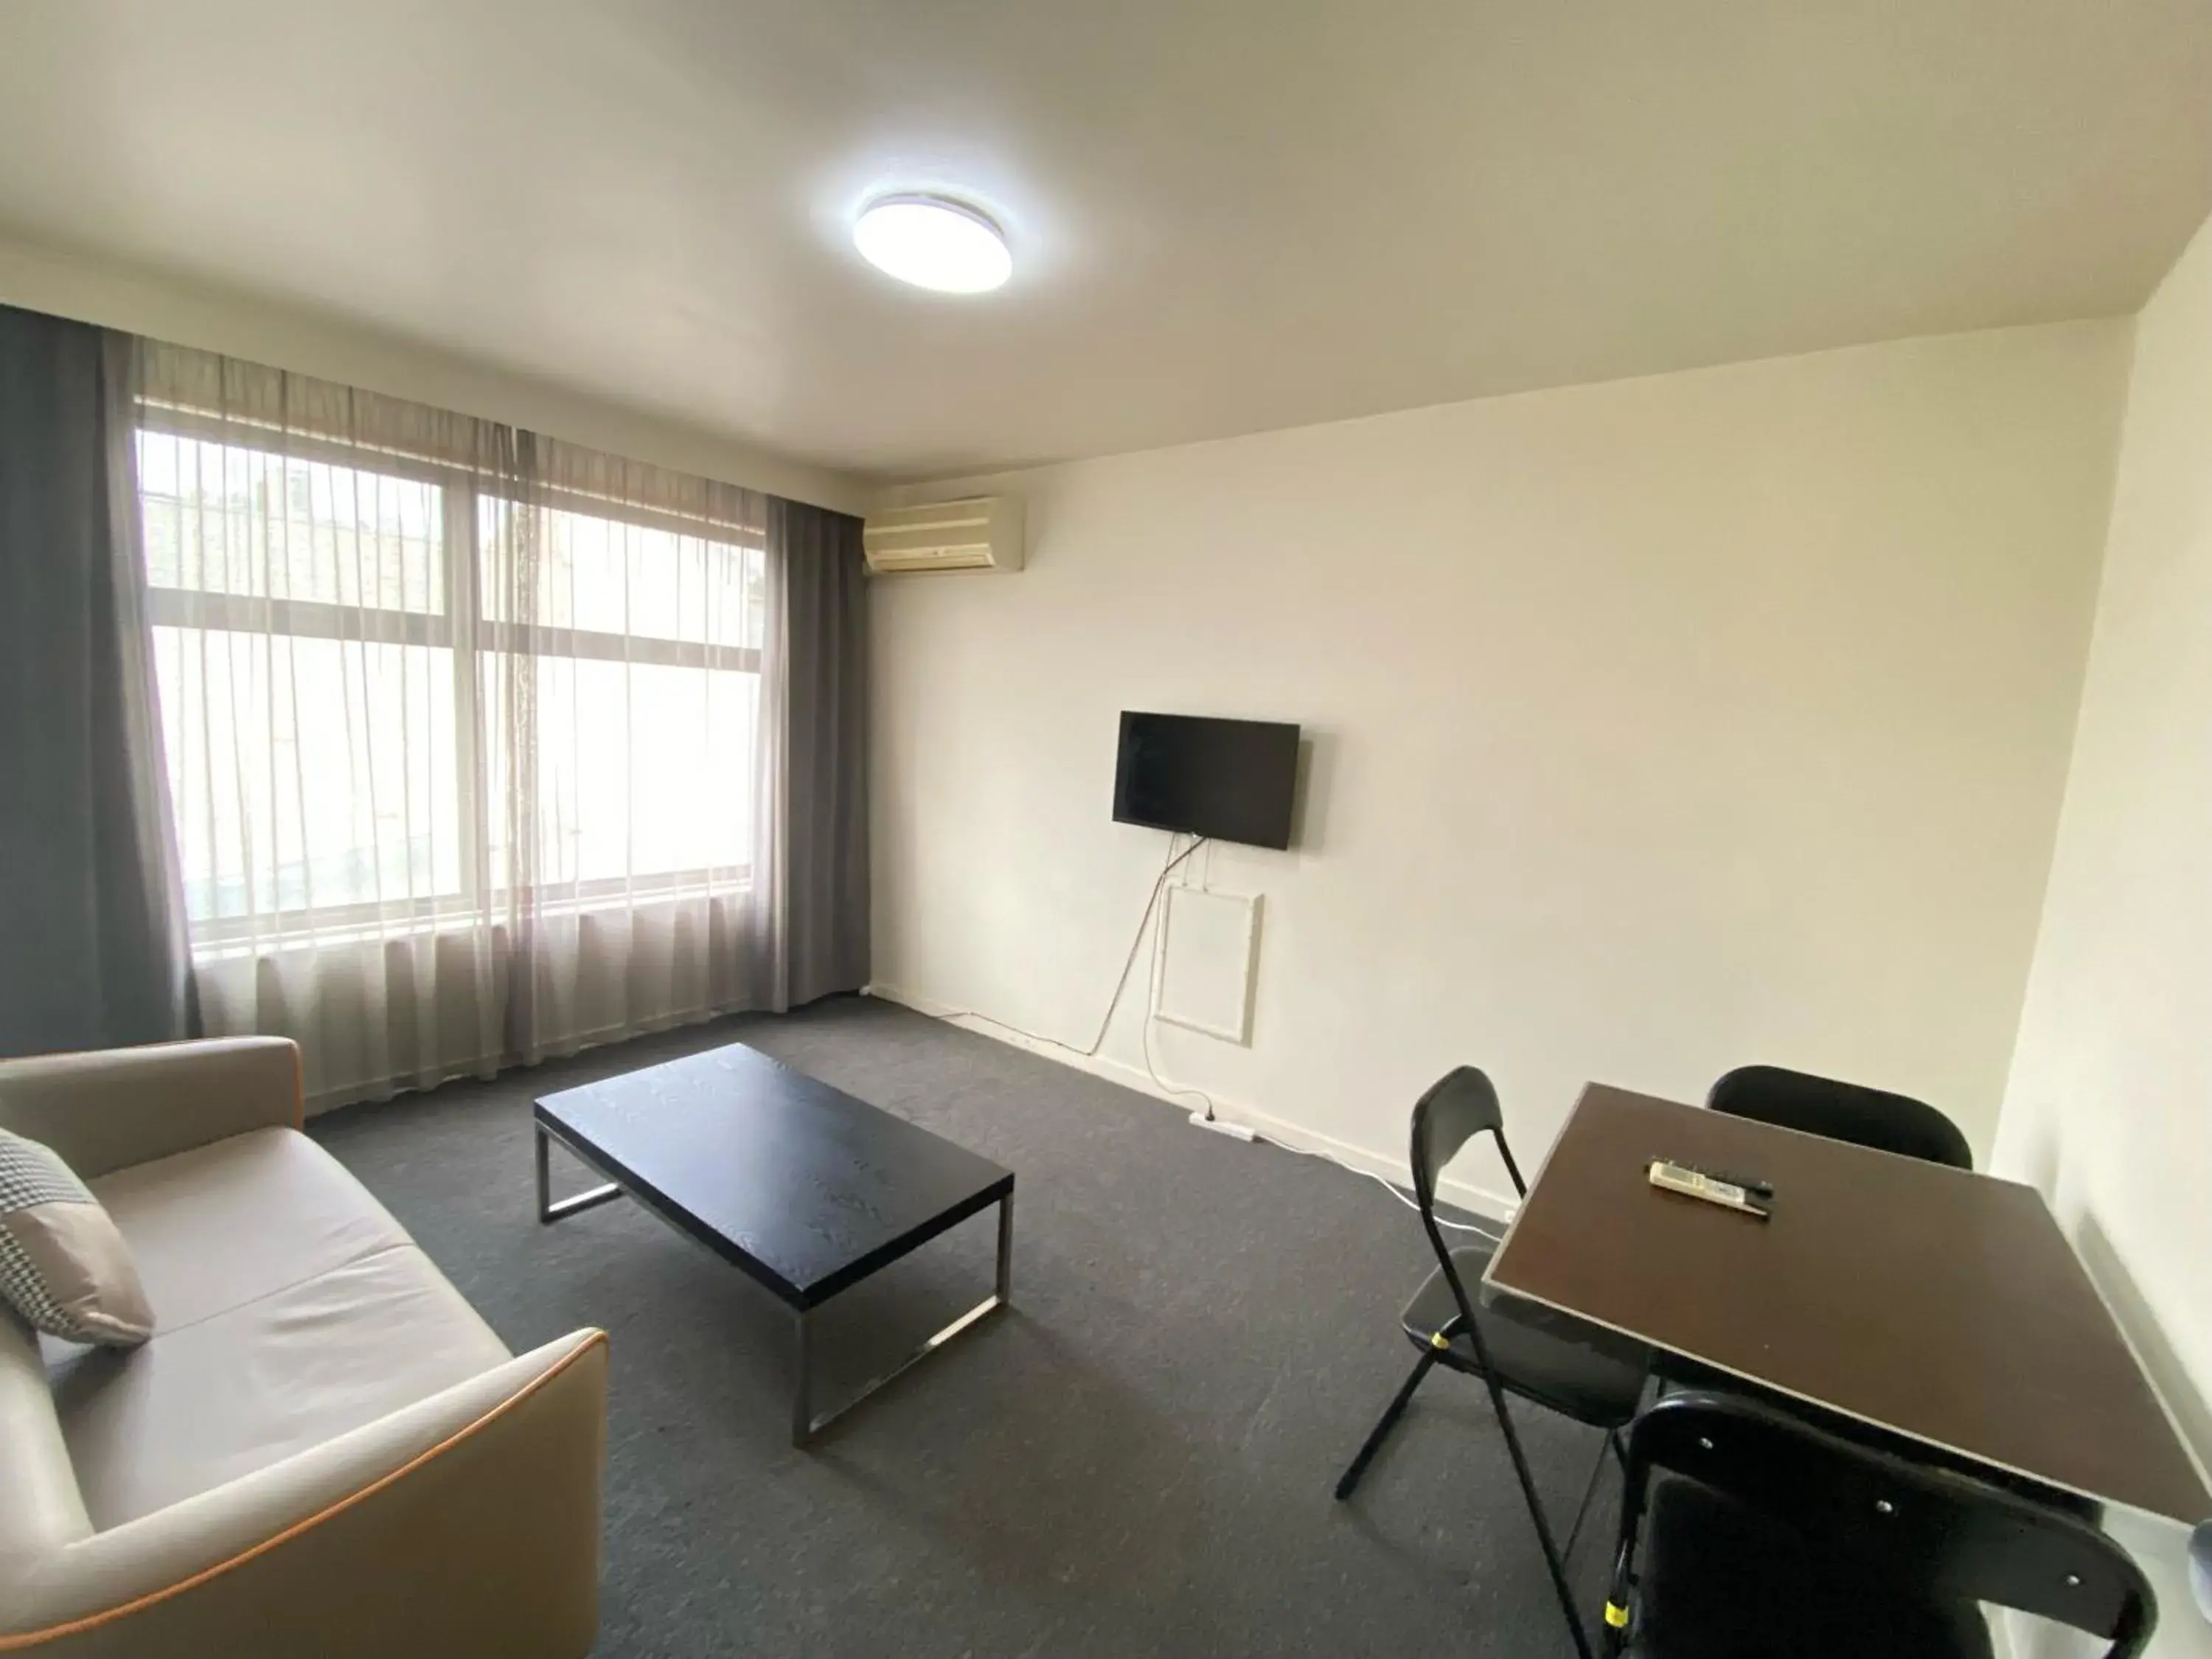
<point x="1121" y="985"/>
<point x="1170" y="1089"/>
<point x="1389" y="1187"/>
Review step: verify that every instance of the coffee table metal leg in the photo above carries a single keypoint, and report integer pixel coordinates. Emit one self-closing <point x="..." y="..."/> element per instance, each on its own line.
<point x="547" y="1209"/>
<point x="545" y="1176"/>
<point x="804" y="1426"/>
<point x="802" y="1405"/>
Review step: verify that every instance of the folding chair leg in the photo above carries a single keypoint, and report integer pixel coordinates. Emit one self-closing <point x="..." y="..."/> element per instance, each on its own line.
<point x="1619" y="1595"/>
<point x="1551" y="1560"/>
<point x="1376" y="1436"/>
<point x="1582" y="1510"/>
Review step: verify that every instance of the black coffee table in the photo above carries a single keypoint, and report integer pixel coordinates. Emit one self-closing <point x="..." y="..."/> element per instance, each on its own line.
<point x="803" y="1188"/>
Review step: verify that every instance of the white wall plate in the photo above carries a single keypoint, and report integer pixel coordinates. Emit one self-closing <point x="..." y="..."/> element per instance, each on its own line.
<point x="1208" y="950"/>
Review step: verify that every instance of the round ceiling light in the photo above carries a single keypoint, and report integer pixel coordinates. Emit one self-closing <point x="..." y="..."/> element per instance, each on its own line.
<point x="933" y="243"/>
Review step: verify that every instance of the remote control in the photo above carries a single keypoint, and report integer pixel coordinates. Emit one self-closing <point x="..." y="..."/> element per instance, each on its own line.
<point x="1693" y="1184"/>
<point x="1752" y="1185"/>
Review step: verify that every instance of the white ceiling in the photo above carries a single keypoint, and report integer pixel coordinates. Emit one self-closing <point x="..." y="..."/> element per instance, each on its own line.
<point x="1226" y="215"/>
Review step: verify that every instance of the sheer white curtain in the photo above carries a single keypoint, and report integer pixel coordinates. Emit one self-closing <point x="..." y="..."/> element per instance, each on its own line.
<point x="463" y="726"/>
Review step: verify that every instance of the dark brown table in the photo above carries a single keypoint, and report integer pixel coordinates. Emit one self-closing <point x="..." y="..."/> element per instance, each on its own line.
<point x="1933" y="1302"/>
<point x="799" y="1186"/>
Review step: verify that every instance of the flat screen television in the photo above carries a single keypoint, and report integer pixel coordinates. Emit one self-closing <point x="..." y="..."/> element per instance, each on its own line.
<point x="1225" y="780"/>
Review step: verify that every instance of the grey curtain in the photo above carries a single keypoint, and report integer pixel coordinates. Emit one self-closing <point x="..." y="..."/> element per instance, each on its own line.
<point x="813" y="902"/>
<point x="484" y="937"/>
<point x="92" y="938"/>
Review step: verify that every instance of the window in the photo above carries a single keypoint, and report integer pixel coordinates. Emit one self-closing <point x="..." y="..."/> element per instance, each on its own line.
<point x="645" y="691"/>
<point x="378" y="681"/>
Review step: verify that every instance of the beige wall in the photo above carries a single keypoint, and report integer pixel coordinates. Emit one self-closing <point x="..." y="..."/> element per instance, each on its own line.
<point x="91" y="291"/>
<point x="1658" y="727"/>
<point x="2109" y="1108"/>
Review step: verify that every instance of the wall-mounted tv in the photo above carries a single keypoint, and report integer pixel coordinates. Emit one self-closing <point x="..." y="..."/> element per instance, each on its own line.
<point x="1226" y="780"/>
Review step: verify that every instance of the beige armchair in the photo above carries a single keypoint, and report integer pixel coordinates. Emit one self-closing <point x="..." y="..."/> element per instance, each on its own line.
<point x="323" y="1449"/>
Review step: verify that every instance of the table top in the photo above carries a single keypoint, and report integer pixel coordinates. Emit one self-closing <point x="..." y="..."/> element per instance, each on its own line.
<point x="803" y="1187"/>
<point x="1932" y="1302"/>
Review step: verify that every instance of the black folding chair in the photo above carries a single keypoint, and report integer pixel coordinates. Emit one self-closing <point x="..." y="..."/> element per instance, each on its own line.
<point x="1842" y="1111"/>
<point x="1516" y="1347"/>
<point x="1747" y="1531"/>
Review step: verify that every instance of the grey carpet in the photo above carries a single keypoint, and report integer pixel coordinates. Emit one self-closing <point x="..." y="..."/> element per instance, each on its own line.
<point x="1137" y="1460"/>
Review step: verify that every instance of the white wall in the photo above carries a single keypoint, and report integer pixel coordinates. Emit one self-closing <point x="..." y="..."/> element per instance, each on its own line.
<point x="165" y="308"/>
<point x="1657" y="726"/>
<point x="2109" y="1108"/>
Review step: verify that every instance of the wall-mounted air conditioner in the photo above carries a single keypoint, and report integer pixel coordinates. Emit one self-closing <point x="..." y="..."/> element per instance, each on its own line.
<point x="982" y="533"/>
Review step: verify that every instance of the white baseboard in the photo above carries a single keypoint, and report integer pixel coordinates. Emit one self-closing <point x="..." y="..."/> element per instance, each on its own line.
<point x="1478" y="1200"/>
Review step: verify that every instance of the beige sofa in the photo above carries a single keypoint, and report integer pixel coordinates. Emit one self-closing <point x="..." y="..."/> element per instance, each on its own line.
<point x="323" y="1451"/>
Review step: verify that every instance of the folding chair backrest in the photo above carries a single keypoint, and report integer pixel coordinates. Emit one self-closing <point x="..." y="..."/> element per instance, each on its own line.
<point x="1842" y="1111"/>
<point x="1924" y="1530"/>
<point x="1459" y="1106"/>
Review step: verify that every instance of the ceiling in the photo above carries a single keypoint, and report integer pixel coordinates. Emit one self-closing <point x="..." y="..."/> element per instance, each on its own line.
<point x="1226" y="215"/>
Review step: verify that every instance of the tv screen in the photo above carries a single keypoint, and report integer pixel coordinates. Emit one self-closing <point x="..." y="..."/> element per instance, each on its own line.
<point x="1228" y="780"/>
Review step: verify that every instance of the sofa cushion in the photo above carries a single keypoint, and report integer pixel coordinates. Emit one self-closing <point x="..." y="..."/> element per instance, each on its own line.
<point x="290" y="1309"/>
<point x="222" y="1225"/>
<point x="63" y="1265"/>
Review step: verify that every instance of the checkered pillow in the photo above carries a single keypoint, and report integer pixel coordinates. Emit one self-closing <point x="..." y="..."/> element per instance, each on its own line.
<point x="63" y="1265"/>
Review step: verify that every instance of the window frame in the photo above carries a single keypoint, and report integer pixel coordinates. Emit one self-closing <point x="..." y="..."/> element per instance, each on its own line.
<point x="461" y="628"/>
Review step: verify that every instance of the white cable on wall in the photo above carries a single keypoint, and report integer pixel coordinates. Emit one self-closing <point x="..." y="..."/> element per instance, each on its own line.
<point x="1170" y="1091"/>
